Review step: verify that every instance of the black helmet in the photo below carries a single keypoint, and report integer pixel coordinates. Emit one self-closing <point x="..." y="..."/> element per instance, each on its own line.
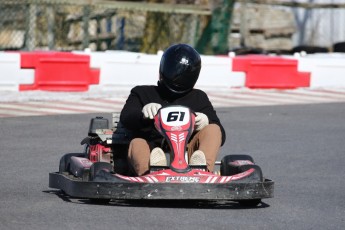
<point x="179" y="68"/>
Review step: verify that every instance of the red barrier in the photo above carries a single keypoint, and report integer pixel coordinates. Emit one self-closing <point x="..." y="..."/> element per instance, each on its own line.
<point x="242" y="63"/>
<point x="59" y="71"/>
<point x="270" y="72"/>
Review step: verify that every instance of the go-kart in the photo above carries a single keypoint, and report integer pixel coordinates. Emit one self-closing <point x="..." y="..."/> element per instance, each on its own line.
<point x="102" y="172"/>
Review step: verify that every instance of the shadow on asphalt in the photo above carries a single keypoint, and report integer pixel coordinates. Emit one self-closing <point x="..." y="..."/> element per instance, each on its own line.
<point x="185" y="204"/>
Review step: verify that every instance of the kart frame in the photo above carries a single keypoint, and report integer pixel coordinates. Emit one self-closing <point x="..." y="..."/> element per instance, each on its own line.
<point x="111" y="185"/>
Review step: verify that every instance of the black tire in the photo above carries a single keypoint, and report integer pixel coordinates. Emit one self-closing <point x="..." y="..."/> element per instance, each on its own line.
<point x="87" y="151"/>
<point x="250" y="203"/>
<point x="121" y="166"/>
<point x="227" y="169"/>
<point x="242" y="157"/>
<point x="310" y="49"/>
<point x="65" y="161"/>
<point x="97" y="168"/>
<point x="339" y="47"/>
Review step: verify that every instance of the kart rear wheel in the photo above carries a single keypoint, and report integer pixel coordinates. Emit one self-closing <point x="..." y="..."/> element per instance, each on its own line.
<point x="227" y="169"/>
<point x="250" y="203"/>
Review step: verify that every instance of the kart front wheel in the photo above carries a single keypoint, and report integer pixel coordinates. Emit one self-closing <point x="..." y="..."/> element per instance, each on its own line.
<point x="228" y="169"/>
<point x="65" y="161"/>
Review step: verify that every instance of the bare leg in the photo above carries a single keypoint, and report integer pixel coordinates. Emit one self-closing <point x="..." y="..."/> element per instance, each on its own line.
<point x="209" y="141"/>
<point x="139" y="156"/>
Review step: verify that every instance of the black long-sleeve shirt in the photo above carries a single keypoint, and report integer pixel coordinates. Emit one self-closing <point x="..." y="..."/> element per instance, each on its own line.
<point x="132" y="116"/>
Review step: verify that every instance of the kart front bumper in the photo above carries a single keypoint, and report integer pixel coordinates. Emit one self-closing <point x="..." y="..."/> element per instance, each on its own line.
<point x="236" y="190"/>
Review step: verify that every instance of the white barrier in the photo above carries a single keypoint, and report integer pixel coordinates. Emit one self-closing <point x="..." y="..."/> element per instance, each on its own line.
<point x="126" y="69"/>
<point x="11" y="74"/>
<point x="97" y="58"/>
<point x="326" y="70"/>
<point x="129" y="70"/>
<point x="216" y="72"/>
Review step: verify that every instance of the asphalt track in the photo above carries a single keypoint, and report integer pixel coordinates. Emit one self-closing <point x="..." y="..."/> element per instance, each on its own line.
<point x="302" y="148"/>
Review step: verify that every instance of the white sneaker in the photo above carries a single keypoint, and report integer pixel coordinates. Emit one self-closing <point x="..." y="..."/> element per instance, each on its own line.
<point x="198" y="158"/>
<point x="157" y="157"/>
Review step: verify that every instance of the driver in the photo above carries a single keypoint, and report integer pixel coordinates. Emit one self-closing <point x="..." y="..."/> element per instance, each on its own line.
<point x="178" y="72"/>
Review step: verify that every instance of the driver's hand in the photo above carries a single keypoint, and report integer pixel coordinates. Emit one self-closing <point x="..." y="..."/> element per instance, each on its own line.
<point x="201" y="120"/>
<point x="151" y="109"/>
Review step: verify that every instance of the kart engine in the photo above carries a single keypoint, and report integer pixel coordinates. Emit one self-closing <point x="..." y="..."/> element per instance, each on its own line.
<point x="100" y="153"/>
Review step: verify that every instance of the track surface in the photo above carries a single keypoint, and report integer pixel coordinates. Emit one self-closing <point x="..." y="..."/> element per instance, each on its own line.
<point x="41" y="103"/>
<point x="300" y="147"/>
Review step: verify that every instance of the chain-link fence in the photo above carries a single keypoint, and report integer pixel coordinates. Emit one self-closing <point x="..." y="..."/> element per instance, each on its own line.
<point x="99" y="25"/>
<point x="152" y="25"/>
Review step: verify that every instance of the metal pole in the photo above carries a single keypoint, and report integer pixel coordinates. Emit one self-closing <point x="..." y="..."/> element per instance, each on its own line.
<point x="31" y="32"/>
<point x="243" y="26"/>
<point x="51" y="26"/>
<point x="192" y="30"/>
<point x="86" y="19"/>
<point x="331" y="26"/>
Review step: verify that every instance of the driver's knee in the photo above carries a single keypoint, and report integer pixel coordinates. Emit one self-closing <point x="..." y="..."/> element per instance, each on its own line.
<point x="211" y="131"/>
<point x="139" y="155"/>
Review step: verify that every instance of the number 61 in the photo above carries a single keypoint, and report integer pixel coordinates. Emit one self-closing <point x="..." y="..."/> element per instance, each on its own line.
<point x="174" y="116"/>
